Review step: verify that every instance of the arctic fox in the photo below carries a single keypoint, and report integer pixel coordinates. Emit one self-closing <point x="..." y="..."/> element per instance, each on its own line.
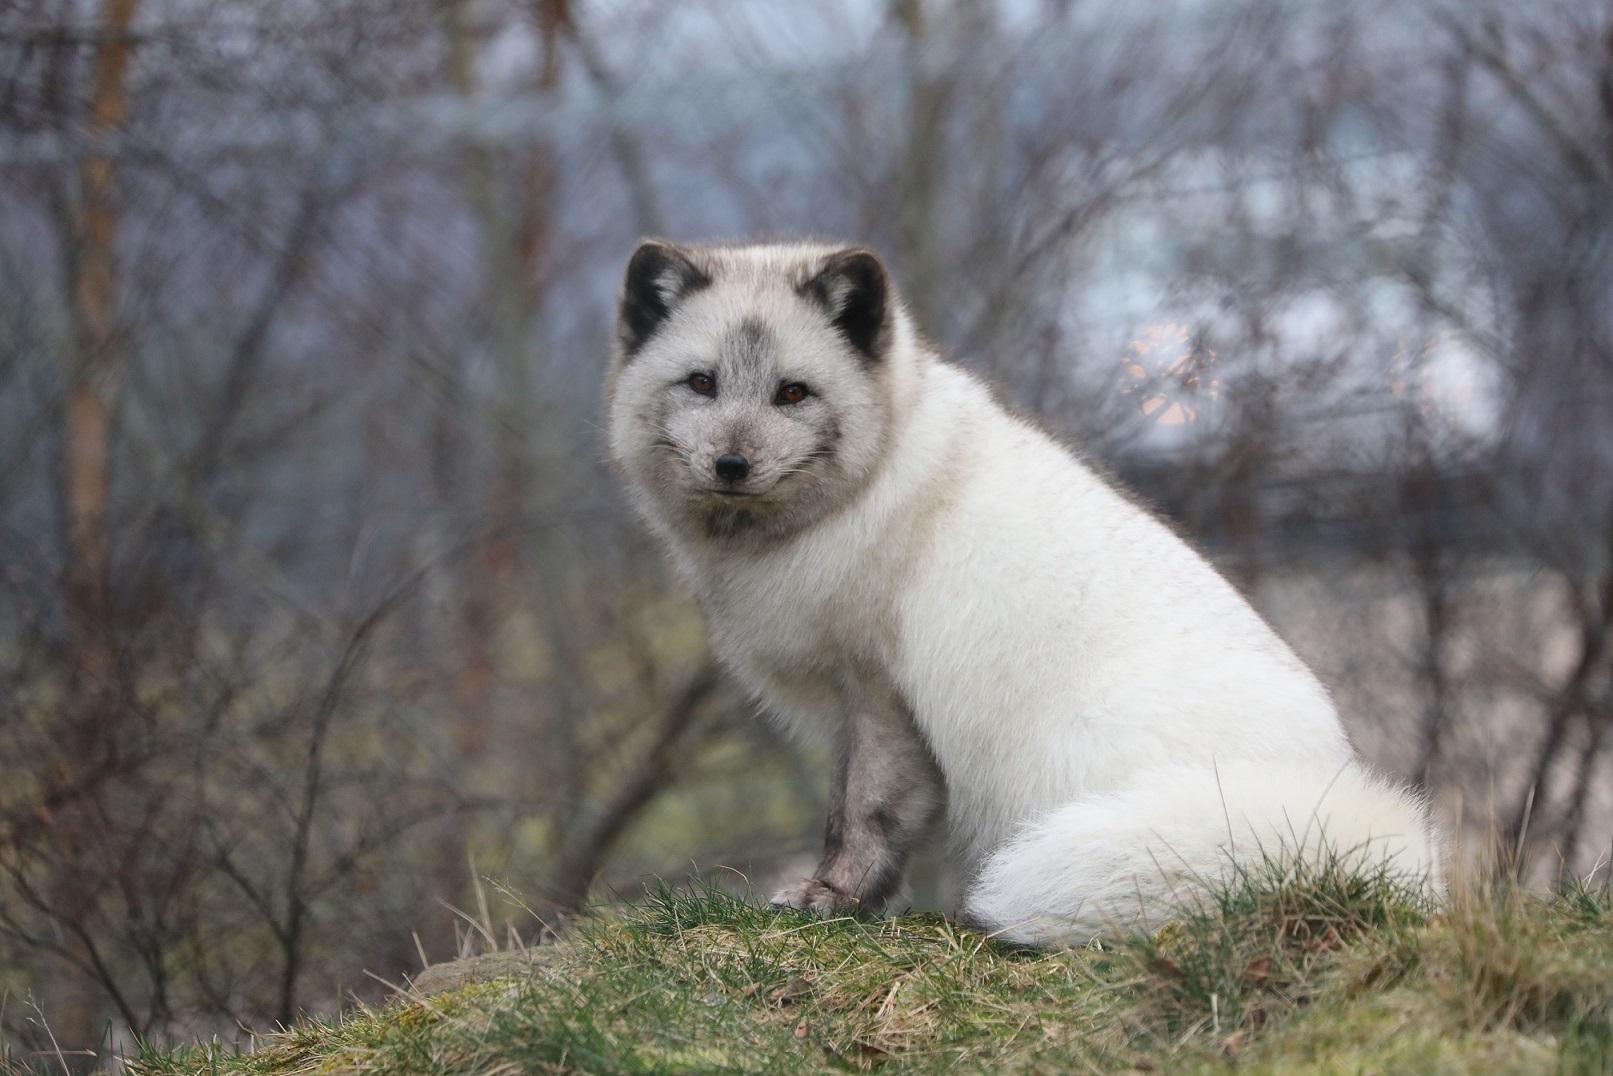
<point x="990" y="636"/>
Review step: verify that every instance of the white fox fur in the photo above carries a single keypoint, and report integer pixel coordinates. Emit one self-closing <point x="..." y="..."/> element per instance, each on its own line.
<point x="986" y="630"/>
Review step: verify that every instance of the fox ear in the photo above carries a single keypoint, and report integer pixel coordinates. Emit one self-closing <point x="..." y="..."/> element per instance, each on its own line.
<point x="659" y="275"/>
<point x="853" y="288"/>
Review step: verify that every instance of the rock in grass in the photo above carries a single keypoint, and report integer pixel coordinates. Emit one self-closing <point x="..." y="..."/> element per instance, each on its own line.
<point x="504" y="964"/>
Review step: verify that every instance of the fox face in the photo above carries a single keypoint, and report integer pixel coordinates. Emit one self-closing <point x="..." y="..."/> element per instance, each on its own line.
<point x="748" y="395"/>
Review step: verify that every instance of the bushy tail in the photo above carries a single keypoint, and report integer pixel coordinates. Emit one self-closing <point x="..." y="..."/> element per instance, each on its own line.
<point x="1132" y="857"/>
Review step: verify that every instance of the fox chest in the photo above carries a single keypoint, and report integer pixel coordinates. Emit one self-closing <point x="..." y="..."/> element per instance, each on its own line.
<point x="804" y="643"/>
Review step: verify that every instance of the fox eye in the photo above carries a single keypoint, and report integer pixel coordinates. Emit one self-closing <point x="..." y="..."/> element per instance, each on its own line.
<point x="792" y="393"/>
<point x="704" y="384"/>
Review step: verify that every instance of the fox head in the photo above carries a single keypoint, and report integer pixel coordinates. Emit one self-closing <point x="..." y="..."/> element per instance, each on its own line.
<point x="752" y="389"/>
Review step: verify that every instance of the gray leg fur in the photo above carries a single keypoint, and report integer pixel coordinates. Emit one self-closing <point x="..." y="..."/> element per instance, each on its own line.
<point x="885" y="797"/>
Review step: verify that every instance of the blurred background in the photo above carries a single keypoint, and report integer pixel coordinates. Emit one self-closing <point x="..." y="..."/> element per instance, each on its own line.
<point x="321" y="618"/>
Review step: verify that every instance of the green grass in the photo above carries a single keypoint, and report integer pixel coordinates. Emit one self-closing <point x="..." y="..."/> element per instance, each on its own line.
<point x="1311" y="970"/>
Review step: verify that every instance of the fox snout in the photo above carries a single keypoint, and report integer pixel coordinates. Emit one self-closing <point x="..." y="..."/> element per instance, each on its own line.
<point x="731" y="471"/>
<point x="732" y="467"/>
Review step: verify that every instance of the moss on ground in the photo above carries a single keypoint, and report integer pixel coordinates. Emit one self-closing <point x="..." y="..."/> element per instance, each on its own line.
<point x="1310" y="971"/>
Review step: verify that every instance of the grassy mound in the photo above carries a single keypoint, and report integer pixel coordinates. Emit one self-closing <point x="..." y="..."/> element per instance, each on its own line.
<point x="1317" y="969"/>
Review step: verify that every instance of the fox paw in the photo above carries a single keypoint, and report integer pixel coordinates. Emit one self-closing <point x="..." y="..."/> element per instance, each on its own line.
<point x="814" y="895"/>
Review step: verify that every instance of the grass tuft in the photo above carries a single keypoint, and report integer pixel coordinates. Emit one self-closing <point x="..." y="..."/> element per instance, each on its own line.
<point x="1288" y="967"/>
<point x="1261" y="943"/>
<point x="1529" y="963"/>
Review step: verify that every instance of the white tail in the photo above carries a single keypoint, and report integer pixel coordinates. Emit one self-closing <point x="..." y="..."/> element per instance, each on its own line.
<point x="1133" y="856"/>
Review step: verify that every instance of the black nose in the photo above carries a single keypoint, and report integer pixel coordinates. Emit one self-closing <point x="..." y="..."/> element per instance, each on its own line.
<point x="732" y="468"/>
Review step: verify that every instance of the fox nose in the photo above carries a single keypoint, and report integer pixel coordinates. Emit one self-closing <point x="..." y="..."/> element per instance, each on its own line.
<point x="732" y="468"/>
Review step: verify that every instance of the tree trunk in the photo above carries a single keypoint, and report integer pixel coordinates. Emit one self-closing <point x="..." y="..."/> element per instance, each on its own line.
<point x="511" y="245"/>
<point x="89" y="729"/>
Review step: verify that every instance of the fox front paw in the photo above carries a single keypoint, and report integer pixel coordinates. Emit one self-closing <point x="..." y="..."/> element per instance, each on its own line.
<point x="817" y="896"/>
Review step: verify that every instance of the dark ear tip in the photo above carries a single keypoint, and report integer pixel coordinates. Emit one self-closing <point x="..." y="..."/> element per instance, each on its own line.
<point x="652" y="242"/>
<point x="864" y="268"/>
<point x="650" y="251"/>
<point x="654" y="257"/>
<point x="857" y="258"/>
